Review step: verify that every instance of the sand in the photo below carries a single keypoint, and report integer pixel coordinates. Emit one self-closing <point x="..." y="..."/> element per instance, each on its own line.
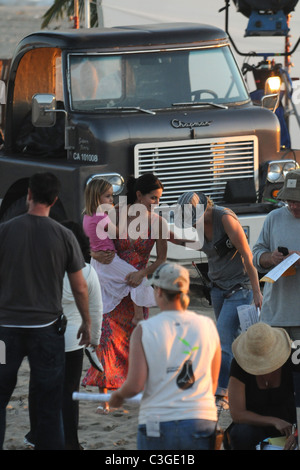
<point x="113" y="431"/>
<point x="116" y="430"/>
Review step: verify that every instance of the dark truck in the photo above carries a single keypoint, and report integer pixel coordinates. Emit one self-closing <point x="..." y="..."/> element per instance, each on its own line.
<point x="167" y="98"/>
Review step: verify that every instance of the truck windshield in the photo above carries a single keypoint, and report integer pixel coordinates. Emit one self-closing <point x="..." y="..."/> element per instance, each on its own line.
<point x="154" y="80"/>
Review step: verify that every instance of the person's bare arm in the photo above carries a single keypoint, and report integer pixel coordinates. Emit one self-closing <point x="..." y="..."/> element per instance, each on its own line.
<point x="104" y="257"/>
<point x="238" y="238"/>
<point x="81" y="296"/>
<point x="270" y="259"/>
<point x="215" y="368"/>
<point x="135" y="278"/>
<point x="240" y="414"/>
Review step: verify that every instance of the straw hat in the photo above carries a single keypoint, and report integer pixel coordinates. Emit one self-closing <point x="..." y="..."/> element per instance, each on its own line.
<point x="291" y="188"/>
<point x="262" y="349"/>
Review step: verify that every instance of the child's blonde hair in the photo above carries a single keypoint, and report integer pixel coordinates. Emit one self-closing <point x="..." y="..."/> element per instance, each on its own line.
<point x="92" y="194"/>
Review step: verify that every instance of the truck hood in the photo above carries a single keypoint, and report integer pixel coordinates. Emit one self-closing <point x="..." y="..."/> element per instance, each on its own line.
<point x="106" y="132"/>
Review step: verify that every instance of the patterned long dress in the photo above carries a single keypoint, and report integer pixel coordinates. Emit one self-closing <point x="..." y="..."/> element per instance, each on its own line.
<point x="117" y="325"/>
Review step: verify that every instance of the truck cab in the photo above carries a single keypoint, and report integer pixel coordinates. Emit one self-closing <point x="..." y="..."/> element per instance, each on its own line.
<point x="165" y="98"/>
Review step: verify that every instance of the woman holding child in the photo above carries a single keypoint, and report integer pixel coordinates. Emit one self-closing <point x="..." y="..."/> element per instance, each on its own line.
<point x="134" y="247"/>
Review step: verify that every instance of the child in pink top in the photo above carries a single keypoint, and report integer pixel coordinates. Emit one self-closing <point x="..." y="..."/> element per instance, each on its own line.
<point x="111" y="276"/>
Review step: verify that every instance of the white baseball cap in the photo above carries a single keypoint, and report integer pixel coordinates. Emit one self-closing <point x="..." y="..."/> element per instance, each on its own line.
<point x="172" y="277"/>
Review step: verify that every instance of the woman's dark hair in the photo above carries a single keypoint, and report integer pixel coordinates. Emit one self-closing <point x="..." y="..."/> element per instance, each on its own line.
<point x="44" y="188"/>
<point x="145" y="184"/>
<point x="82" y="239"/>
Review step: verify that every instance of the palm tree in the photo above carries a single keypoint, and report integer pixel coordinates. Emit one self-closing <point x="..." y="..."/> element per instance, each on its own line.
<point x="65" y="8"/>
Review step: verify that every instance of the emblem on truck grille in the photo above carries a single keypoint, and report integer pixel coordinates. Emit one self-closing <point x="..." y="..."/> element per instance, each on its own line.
<point x="181" y="124"/>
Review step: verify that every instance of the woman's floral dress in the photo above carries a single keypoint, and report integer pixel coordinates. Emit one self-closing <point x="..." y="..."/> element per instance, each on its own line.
<point x="117" y="325"/>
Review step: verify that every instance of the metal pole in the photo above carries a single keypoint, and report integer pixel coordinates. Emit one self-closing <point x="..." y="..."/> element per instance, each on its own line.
<point x="87" y="13"/>
<point x="76" y="14"/>
<point x="287" y="68"/>
<point x="100" y="13"/>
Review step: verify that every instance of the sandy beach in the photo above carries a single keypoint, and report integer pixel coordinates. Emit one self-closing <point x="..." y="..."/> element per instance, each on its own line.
<point x="116" y="430"/>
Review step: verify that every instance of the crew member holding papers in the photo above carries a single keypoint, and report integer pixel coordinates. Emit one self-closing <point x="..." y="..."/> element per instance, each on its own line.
<point x="278" y="240"/>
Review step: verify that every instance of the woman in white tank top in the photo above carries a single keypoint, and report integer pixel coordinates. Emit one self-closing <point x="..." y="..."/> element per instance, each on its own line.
<point x="175" y="360"/>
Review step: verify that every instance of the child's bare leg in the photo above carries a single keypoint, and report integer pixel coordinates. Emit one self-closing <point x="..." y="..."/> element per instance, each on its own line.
<point x="138" y="314"/>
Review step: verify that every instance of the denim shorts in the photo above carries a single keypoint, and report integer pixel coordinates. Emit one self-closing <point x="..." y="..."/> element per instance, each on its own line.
<point x="189" y="434"/>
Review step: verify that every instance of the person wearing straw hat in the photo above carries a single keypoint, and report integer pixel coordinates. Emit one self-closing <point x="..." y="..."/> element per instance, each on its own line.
<point x="261" y="388"/>
<point x="233" y="277"/>
<point x="281" y="228"/>
<point x="174" y="358"/>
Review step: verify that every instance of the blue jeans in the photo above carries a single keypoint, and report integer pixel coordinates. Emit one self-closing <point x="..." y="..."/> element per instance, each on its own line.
<point x="45" y="351"/>
<point x="188" y="434"/>
<point x="70" y="409"/>
<point x="247" y="436"/>
<point x="228" y="327"/>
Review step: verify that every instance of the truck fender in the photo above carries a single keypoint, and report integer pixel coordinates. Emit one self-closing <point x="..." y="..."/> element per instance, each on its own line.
<point x="14" y="203"/>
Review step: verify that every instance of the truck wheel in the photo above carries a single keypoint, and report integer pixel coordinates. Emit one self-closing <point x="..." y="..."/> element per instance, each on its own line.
<point x="19" y="207"/>
<point x="16" y="208"/>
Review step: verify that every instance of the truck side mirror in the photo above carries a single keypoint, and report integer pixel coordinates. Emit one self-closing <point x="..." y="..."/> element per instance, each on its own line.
<point x="270" y="102"/>
<point x="43" y="110"/>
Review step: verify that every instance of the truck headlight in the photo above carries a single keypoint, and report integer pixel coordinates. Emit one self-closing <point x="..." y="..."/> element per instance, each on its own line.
<point x="274" y="172"/>
<point x="272" y="85"/>
<point x="288" y="167"/>
<point x="278" y="169"/>
<point x="115" y="179"/>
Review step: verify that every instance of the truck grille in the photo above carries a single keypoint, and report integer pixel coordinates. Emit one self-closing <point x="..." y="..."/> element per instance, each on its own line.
<point x="198" y="165"/>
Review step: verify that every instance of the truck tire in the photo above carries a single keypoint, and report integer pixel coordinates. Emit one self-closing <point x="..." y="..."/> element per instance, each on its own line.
<point x="19" y="207"/>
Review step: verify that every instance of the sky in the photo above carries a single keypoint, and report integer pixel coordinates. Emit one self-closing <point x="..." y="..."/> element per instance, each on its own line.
<point x="121" y="12"/>
<point x="118" y="12"/>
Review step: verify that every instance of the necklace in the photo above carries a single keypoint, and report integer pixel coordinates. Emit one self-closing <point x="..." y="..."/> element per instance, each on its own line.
<point x="264" y="381"/>
<point x="271" y="380"/>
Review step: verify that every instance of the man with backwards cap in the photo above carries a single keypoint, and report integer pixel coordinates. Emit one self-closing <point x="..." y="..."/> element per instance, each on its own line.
<point x="281" y="229"/>
<point x="174" y="357"/>
<point x="233" y="276"/>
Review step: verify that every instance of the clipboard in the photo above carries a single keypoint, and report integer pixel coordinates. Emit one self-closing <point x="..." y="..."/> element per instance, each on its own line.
<point x="284" y="268"/>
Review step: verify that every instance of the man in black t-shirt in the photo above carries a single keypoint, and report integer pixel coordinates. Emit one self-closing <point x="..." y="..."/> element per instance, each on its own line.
<point x="35" y="253"/>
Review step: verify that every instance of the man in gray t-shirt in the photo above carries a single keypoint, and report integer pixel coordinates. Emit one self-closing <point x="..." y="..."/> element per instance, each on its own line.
<point x="35" y="253"/>
<point x="281" y="228"/>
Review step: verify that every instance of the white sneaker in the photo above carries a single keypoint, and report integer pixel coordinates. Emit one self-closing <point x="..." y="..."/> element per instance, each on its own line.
<point x="28" y="444"/>
<point x="90" y="351"/>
